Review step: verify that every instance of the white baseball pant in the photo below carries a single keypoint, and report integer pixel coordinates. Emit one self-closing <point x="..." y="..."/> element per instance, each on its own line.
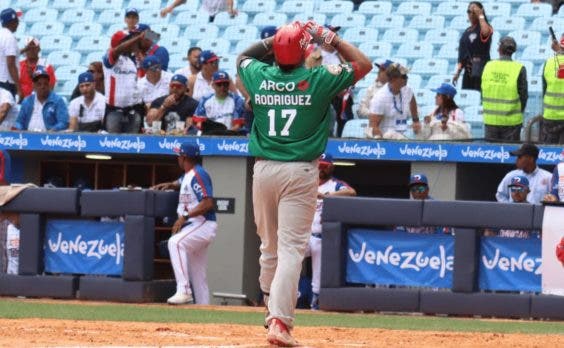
<point x="188" y="251"/>
<point x="284" y="200"/>
<point x="314" y="250"/>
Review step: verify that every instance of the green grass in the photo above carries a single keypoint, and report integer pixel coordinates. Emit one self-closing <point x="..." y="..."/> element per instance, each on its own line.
<point x="17" y="309"/>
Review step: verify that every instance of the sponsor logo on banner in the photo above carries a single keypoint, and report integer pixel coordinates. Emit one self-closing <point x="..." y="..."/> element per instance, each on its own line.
<point x="399" y="258"/>
<point x="116" y="143"/>
<point x="10" y="141"/>
<point x="362" y="150"/>
<point x="169" y="145"/>
<point x="553" y="156"/>
<point x="424" y="152"/>
<point x="235" y="146"/>
<point x="485" y="154"/>
<point x="63" y="142"/>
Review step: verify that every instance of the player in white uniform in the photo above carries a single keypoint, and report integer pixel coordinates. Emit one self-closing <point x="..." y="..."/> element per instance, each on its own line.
<point x="194" y="230"/>
<point x="328" y="186"/>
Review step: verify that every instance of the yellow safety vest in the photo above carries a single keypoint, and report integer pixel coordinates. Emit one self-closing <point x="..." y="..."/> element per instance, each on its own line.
<point x="553" y="101"/>
<point x="500" y="97"/>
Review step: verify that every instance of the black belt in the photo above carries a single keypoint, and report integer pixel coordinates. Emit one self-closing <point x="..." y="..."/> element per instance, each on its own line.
<point x="316" y="235"/>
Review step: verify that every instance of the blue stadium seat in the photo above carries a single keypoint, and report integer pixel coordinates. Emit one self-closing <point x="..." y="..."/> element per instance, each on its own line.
<point x="536" y="54"/>
<point x="376" y="49"/>
<point x="269" y="18"/>
<point x="69" y="72"/>
<point x="109" y="17"/>
<point x="114" y="28"/>
<point x="41" y="14"/>
<point x="413" y="8"/>
<point x="41" y="28"/>
<point x="359" y="35"/>
<point x="526" y="37"/>
<point x="51" y="43"/>
<point x="442" y="36"/>
<point x="101" y="5"/>
<point x="177" y="61"/>
<point x="93" y="57"/>
<point x="27" y="4"/>
<point x="77" y="15"/>
<point x="497" y="9"/>
<point x="334" y="7"/>
<point x="258" y="6"/>
<point x="166" y="30"/>
<point x="468" y="97"/>
<point x="399" y="60"/>
<point x="64" y="58"/>
<point x="317" y="17"/>
<point x="201" y="31"/>
<point x="144" y="4"/>
<point x="297" y="6"/>
<point x="219" y="46"/>
<point x="175" y="44"/>
<point x="430" y="66"/>
<point x="187" y="19"/>
<point x="459" y="23"/>
<point x="414" y="81"/>
<point x="387" y="21"/>
<point x="77" y="30"/>
<point x="92" y="43"/>
<point x="542" y="23"/>
<point x="450" y="9"/>
<point x="367" y="80"/>
<point x="241" y="32"/>
<point x="243" y="45"/>
<point x="151" y="17"/>
<point x="504" y="25"/>
<point x="534" y="84"/>
<point x="424" y="97"/>
<point x="424" y="23"/>
<point x="223" y="19"/>
<point x="66" y="4"/>
<point x="436" y="80"/>
<point x="473" y="114"/>
<point x="400" y="35"/>
<point x="534" y="10"/>
<point x="355" y="128"/>
<point x="65" y="88"/>
<point x="412" y="50"/>
<point x="346" y="20"/>
<point x="228" y="63"/>
<point x="375" y="8"/>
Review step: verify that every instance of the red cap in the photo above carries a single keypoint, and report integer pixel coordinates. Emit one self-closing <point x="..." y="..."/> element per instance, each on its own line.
<point x="118" y="37"/>
<point x="290" y="43"/>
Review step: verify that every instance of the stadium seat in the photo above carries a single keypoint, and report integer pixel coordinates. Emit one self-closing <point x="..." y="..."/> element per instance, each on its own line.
<point x="166" y="30"/>
<point x="413" y="8"/>
<point x="41" y="14"/>
<point x="497" y="9"/>
<point x="177" y="61"/>
<point x="504" y="25"/>
<point x="399" y="60"/>
<point x="175" y="44"/>
<point x="442" y="36"/>
<point x="473" y="114"/>
<point x="376" y="49"/>
<point x="41" y="28"/>
<point x="334" y="7"/>
<point x="152" y="16"/>
<point x="450" y="9"/>
<point x="228" y="63"/>
<point x="541" y="24"/>
<point x="92" y="43"/>
<point x="145" y="4"/>
<point x="93" y="57"/>
<point x="534" y="84"/>
<point x="413" y="50"/>
<point x="424" y="23"/>
<point x="51" y="43"/>
<point x="78" y="30"/>
<point x="355" y="128"/>
<point x="297" y="6"/>
<point x="77" y="15"/>
<point x="201" y="31"/>
<point x="187" y="19"/>
<point x="449" y="51"/>
<point x="430" y="66"/>
<point x="346" y="20"/>
<point x="109" y="17"/>
<point x="69" y="72"/>
<point x="459" y="23"/>
<point x="400" y="35"/>
<point x="27" y="4"/>
<point x="359" y="35"/>
<point x="241" y="32"/>
<point x="65" y="88"/>
<point x="317" y="17"/>
<point x="101" y="5"/>
<point x="66" y="4"/>
<point x="414" y="81"/>
<point x="375" y="8"/>
<point x="114" y="28"/>
<point x="526" y="38"/>
<point x="258" y="6"/>
<point x="243" y="45"/>
<point x="387" y="21"/>
<point x="436" y="80"/>
<point x="536" y="54"/>
<point x="64" y="58"/>
<point x="219" y="46"/>
<point x="534" y="10"/>
<point x="367" y="80"/>
<point x="468" y="97"/>
<point x="223" y="19"/>
<point x="424" y="97"/>
<point x="269" y="18"/>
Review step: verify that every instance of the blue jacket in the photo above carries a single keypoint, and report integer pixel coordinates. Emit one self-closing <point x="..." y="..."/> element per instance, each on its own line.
<point x="55" y="113"/>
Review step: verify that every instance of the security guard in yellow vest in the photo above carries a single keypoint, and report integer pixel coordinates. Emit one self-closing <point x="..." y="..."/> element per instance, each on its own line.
<point x="552" y="129"/>
<point x="504" y="94"/>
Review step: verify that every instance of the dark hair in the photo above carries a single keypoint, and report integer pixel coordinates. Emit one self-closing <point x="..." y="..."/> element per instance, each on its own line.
<point x="97" y="66"/>
<point x="192" y="49"/>
<point x="479" y="4"/>
<point x="448" y="105"/>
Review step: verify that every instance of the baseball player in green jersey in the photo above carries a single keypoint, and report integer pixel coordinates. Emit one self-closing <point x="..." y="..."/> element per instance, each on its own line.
<point x="288" y="135"/>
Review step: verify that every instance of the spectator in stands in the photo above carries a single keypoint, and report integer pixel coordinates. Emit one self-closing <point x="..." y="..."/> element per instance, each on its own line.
<point x="31" y="61"/>
<point x="200" y="85"/>
<point x="194" y="66"/>
<point x="9" y="76"/>
<point x="504" y="94"/>
<point x="222" y="106"/>
<point x="391" y="106"/>
<point x="44" y="110"/>
<point x="131" y="18"/>
<point x="149" y="48"/>
<point x="212" y="7"/>
<point x="124" y="106"/>
<point x="474" y="48"/>
<point x="175" y="107"/>
<point x="155" y="83"/>
<point x="552" y="126"/>
<point x="539" y="179"/>
<point x="8" y="110"/>
<point x="381" y="79"/>
<point x="447" y="120"/>
<point x="87" y="111"/>
<point x="557" y="183"/>
<point x="96" y="69"/>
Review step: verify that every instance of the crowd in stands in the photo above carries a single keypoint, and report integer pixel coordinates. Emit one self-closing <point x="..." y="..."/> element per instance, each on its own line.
<point x="140" y="86"/>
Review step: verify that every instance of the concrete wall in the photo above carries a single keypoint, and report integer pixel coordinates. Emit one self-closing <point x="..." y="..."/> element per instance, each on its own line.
<point x="442" y="178"/>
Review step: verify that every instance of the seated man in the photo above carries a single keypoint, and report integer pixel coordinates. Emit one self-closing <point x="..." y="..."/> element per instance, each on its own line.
<point x="87" y="111"/>
<point x="44" y="110"/>
<point x="8" y="110"/>
<point x="221" y="106"/>
<point x="155" y="82"/>
<point x="175" y="107"/>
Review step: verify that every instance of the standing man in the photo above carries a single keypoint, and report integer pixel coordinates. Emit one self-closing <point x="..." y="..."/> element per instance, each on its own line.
<point x="131" y="18"/>
<point x="289" y="133"/>
<point x="28" y="65"/>
<point x="328" y="186"/>
<point x="212" y="7"/>
<point x="552" y="126"/>
<point x="195" y="228"/>
<point x="147" y="48"/>
<point x="9" y="77"/>
<point x="194" y="66"/>
<point x="8" y="110"/>
<point x="87" y="111"/>
<point x="504" y="94"/>
<point x="539" y="179"/>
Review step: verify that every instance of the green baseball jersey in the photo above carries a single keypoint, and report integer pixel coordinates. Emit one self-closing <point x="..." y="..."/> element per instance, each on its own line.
<point x="291" y="121"/>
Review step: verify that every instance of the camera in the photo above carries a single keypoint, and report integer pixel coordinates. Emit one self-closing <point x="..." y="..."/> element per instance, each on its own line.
<point x="151" y="35"/>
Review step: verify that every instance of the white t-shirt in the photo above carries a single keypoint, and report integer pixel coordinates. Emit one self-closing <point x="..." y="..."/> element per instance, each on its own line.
<point x="8" y="47"/>
<point x="10" y="119"/>
<point x="213" y="7"/>
<point x="330" y="186"/>
<point x="394" y="108"/>
<point x="184" y="71"/>
<point x="149" y="91"/>
<point x="201" y="87"/>
<point x="36" y="123"/>
<point x="330" y="58"/>
<point x="94" y="112"/>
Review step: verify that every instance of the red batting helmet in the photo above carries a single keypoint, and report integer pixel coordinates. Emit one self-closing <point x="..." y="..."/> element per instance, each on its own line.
<point x="560" y="251"/>
<point x="290" y="43"/>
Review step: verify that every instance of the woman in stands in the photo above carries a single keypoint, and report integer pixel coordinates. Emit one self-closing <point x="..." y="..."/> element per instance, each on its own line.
<point x="474" y="48"/>
<point x="95" y="68"/>
<point x="446" y="122"/>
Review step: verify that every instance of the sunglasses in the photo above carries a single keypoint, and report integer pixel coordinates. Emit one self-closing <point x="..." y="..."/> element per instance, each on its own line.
<point x="222" y="84"/>
<point x="517" y="189"/>
<point x="91" y="71"/>
<point x="215" y="62"/>
<point x="418" y="188"/>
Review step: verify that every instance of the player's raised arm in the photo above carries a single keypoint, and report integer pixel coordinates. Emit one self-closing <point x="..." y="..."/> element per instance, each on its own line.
<point x="260" y="50"/>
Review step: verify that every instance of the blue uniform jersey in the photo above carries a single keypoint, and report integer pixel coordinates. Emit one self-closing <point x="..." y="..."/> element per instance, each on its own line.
<point x="194" y="187"/>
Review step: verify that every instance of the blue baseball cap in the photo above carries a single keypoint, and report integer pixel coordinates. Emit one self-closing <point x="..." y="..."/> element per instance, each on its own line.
<point x="188" y="149"/>
<point x="384" y="65"/>
<point x="220" y="76"/>
<point x="9" y="14"/>
<point x="141" y="27"/>
<point x="180" y="79"/>
<point x="519" y="180"/>
<point x="326" y="158"/>
<point x="268" y="31"/>
<point x="85" y="77"/>
<point x="151" y="63"/>
<point x="446" y="89"/>
<point x="418" y="179"/>
<point x="40" y="71"/>
<point x="207" y="56"/>
<point x="130" y="11"/>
